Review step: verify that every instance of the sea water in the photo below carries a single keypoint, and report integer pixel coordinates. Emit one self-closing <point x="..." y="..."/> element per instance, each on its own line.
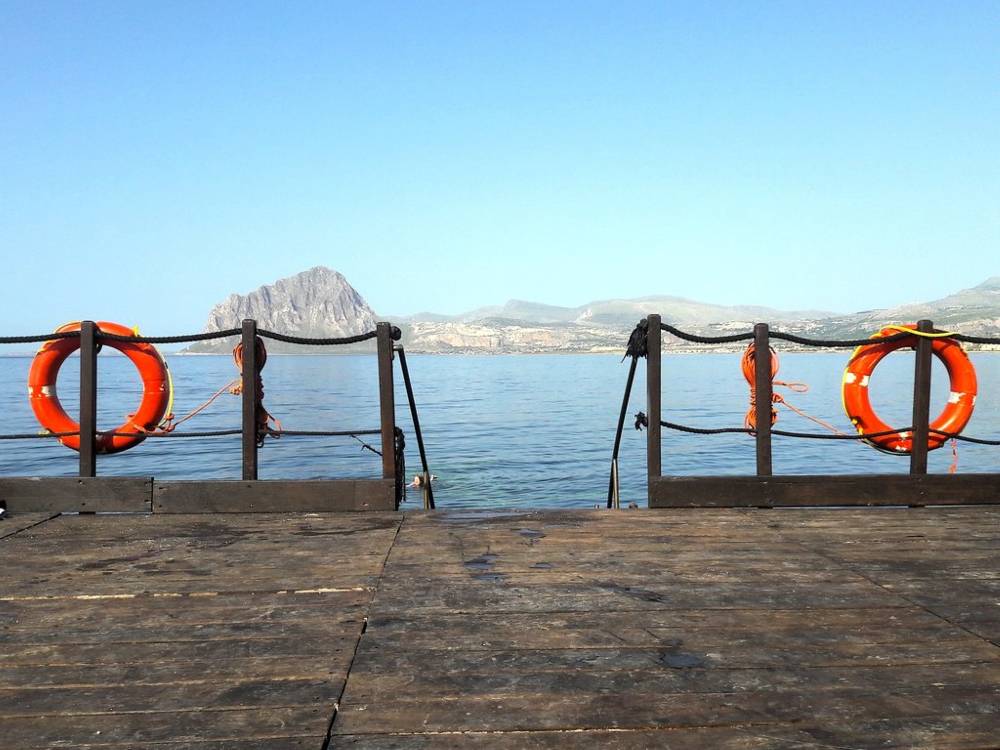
<point x="532" y="431"/>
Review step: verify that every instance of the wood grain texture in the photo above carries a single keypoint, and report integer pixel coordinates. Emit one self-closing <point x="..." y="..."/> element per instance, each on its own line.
<point x="76" y="494"/>
<point x="689" y="628"/>
<point x="681" y="629"/>
<point x="861" y="489"/>
<point x="191" y="631"/>
<point x="273" y="496"/>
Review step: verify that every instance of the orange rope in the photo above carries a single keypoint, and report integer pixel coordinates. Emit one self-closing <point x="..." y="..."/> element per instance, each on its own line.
<point x="748" y="364"/>
<point x="264" y="418"/>
<point x="235" y="387"/>
<point x="170" y="423"/>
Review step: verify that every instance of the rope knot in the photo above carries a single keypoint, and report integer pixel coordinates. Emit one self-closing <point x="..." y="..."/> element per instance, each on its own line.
<point x="637" y="341"/>
<point x="641" y="420"/>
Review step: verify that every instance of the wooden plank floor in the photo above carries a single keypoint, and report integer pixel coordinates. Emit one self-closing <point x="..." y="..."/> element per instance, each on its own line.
<point x="183" y="631"/>
<point x="733" y="629"/>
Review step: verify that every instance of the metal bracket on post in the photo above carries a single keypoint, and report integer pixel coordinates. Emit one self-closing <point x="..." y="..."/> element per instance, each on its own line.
<point x="762" y="397"/>
<point x="921" y="399"/>
<point x="653" y="399"/>
<point x="249" y="385"/>
<point x="387" y="404"/>
<point x="88" y="398"/>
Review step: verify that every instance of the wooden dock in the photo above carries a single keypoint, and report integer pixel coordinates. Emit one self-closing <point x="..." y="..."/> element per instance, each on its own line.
<point x="680" y="629"/>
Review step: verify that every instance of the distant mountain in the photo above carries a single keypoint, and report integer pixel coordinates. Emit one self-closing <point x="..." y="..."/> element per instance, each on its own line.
<point x="619" y="312"/>
<point x="975" y="311"/>
<point x="320" y="302"/>
<point x="316" y="303"/>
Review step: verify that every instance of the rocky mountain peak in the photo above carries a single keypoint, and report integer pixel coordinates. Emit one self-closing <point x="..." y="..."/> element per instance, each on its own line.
<point x="318" y="302"/>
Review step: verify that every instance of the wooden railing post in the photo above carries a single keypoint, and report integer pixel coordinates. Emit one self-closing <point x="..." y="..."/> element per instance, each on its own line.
<point x="88" y="399"/>
<point x="763" y="396"/>
<point x="249" y="385"/>
<point x="653" y="396"/>
<point x="921" y="399"/>
<point x="387" y="405"/>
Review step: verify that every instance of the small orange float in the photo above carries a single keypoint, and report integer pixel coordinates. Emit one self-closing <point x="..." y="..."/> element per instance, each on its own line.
<point x="156" y="389"/>
<point x="951" y="421"/>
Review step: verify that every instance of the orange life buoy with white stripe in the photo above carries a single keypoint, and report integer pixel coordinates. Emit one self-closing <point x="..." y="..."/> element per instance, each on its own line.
<point x="956" y="413"/>
<point x="156" y="388"/>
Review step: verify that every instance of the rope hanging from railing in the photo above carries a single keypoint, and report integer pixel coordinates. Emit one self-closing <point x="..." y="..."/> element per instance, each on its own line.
<point x="264" y="418"/>
<point x="637" y="347"/>
<point x="427" y="480"/>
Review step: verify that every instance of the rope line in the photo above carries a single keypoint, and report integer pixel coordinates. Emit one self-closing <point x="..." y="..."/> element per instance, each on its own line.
<point x="191" y="337"/>
<point x="829" y="343"/>
<point x="203" y="433"/>
<point x="317" y="342"/>
<point x="642" y="421"/>
<point x="693" y="337"/>
<point x="40" y="338"/>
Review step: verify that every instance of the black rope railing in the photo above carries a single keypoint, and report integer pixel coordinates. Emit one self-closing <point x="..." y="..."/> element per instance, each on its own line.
<point x="182" y="339"/>
<point x="191" y="434"/>
<point x="250" y="356"/>
<point x="638" y="346"/>
<point x="695" y="338"/>
<point x="641" y="421"/>
<point x="317" y="341"/>
<point x="39" y="338"/>
<point x="807" y="341"/>
<point x="206" y="336"/>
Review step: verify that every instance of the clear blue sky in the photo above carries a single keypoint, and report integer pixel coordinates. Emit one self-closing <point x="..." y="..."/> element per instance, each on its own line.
<point x="156" y="156"/>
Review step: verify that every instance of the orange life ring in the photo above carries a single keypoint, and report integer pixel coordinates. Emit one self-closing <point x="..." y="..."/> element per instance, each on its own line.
<point x="952" y="419"/>
<point x="156" y="388"/>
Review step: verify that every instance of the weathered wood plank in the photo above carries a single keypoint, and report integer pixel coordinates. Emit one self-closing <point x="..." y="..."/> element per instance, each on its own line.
<point x="188" y="695"/>
<point x="677" y="667"/>
<point x="557" y="710"/>
<point x="59" y="620"/>
<point x="956" y="732"/>
<point x="273" y="495"/>
<point x="76" y="494"/>
<point x="199" y="654"/>
<point x="493" y="594"/>
<point x="771" y="736"/>
<point x="182" y="727"/>
<point x="789" y="633"/>
<point x="862" y="489"/>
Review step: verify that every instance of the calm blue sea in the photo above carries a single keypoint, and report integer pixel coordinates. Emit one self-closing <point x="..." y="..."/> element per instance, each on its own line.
<point x="502" y="431"/>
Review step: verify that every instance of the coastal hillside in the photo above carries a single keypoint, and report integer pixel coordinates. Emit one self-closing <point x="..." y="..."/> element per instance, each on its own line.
<point x="321" y="302"/>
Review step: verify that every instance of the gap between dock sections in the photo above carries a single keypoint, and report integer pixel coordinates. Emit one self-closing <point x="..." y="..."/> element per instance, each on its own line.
<point x="364" y="629"/>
